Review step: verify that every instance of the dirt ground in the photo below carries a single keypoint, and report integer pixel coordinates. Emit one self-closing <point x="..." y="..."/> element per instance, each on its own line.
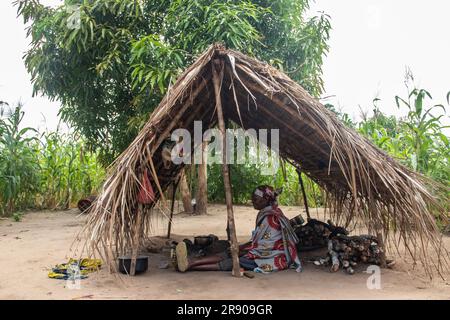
<point x="42" y="239"/>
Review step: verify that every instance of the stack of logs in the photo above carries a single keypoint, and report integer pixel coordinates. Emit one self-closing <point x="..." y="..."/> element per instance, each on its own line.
<point x="314" y="234"/>
<point x="348" y="251"/>
<point x="343" y="250"/>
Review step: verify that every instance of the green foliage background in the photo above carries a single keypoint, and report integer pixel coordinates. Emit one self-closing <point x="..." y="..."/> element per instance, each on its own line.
<point x="49" y="170"/>
<point x="110" y="62"/>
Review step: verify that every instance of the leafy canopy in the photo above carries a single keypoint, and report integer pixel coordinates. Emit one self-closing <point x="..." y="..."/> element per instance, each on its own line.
<point x="110" y="62"/>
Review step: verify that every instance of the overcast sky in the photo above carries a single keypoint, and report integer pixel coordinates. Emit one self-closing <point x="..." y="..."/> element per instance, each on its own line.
<point x="372" y="42"/>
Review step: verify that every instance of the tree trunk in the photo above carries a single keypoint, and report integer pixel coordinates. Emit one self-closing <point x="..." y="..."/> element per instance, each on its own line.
<point x="202" y="191"/>
<point x="185" y="193"/>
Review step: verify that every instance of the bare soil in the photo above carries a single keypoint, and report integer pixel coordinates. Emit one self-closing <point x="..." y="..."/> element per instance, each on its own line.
<point x="42" y="239"/>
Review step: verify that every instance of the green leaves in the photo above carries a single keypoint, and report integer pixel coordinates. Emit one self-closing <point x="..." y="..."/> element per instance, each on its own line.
<point x="51" y="170"/>
<point x="67" y="172"/>
<point x="418" y="140"/>
<point x="155" y="64"/>
<point x="194" y="25"/>
<point x="399" y="101"/>
<point x="419" y="97"/>
<point x="18" y="162"/>
<point x="109" y="62"/>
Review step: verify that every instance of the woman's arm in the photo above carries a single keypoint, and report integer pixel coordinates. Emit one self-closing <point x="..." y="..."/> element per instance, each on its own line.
<point x="243" y="248"/>
<point x="257" y="235"/>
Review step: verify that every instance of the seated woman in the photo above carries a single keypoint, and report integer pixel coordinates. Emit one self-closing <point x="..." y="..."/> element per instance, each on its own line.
<point x="272" y="246"/>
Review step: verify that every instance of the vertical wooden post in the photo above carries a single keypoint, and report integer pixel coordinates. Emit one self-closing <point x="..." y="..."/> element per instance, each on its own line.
<point x="227" y="125"/>
<point x="217" y="81"/>
<point x="202" y="191"/>
<point x="383" y="247"/>
<point x="305" y="200"/>
<point x="172" y="205"/>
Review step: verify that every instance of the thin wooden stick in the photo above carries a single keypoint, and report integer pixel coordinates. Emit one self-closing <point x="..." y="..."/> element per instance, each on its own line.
<point x="172" y="206"/>
<point x="227" y="125"/>
<point x="381" y="242"/>
<point x="305" y="201"/>
<point x="217" y="80"/>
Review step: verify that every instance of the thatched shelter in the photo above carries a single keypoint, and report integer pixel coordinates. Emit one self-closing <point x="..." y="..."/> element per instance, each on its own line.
<point x="361" y="181"/>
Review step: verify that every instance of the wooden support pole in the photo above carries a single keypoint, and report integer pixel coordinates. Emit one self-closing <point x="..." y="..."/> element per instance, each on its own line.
<point x="202" y="179"/>
<point x="383" y="247"/>
<point x="228" y="232"/>
<point x="227" y="125"/>
<point x="228" y="221"/>
<point x="302" y="186"/>
<point x="172" y="205"/>
<point x="217" y="81"/>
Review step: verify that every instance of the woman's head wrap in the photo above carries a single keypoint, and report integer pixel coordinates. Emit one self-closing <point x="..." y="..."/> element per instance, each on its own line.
<point x="267" y="192"/>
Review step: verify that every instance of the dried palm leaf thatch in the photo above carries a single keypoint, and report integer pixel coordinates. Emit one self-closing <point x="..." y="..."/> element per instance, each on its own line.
<point x="362" y="182"/>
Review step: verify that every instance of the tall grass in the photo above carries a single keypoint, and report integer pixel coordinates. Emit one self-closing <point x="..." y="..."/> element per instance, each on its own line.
<point x="49" y="170"/>
<point x="19" y="167"/>
<point x="68" y="172"/>
<point x="418" y="139"/>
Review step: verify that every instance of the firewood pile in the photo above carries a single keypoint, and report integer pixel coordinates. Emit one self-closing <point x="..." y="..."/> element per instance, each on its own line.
<point x="314" y="234"/>
<point x="344" y="251"/>
<point x="349" y="251"/>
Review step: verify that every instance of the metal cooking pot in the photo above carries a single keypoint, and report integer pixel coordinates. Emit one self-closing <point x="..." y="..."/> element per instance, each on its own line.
<point x="203" y="241"/>
<point x="297" y="220"/>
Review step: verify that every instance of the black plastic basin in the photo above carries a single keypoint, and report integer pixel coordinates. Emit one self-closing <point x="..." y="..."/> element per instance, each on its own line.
<point x="125" y="264"/>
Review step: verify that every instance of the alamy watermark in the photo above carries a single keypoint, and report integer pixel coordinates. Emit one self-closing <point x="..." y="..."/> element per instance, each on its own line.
<point x="74" y="277"/>
<point x="249" y="146"/>
<point x="374" y="280"/>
